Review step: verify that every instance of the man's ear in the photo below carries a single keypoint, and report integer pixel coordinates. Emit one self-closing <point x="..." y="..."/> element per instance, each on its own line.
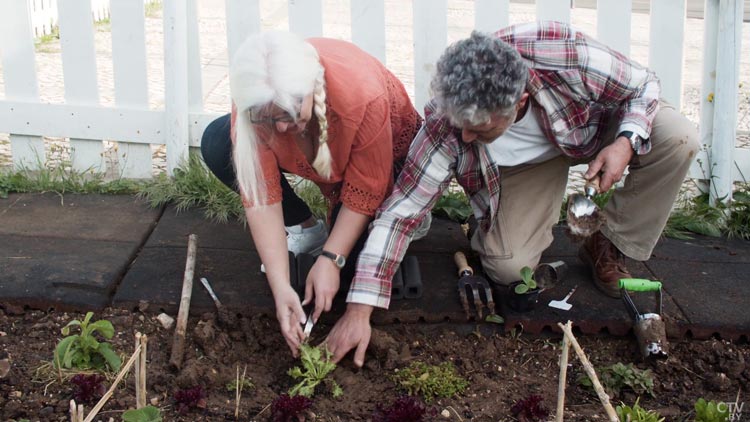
<point x="522" y="101"/>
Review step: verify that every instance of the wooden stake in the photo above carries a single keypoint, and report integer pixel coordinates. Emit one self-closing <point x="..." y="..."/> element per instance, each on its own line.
<point x="178" y="345"/>
<point x="73" y="411"/>
<point x="563" y="375"/>
<point x="589" y="368"/>
<point x="80" y="413"/>
<point x="142" y="365"/>
<point x="111" y="390"/>
<point x="138" y="403"/>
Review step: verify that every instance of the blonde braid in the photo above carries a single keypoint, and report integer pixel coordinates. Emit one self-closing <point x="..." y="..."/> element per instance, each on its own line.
<point x="322" y="162"/>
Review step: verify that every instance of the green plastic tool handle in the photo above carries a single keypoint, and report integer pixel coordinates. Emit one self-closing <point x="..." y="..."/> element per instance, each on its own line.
<point x="639" y="285"/>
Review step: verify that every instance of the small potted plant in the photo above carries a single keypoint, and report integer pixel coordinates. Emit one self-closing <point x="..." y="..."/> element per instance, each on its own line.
<point x="524" y="294"/>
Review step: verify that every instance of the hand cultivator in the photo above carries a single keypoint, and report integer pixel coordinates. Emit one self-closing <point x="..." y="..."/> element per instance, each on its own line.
<point x="475" y="284"/>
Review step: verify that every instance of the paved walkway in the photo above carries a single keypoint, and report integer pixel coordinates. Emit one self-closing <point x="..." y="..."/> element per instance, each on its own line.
<point x="80" y="252"/>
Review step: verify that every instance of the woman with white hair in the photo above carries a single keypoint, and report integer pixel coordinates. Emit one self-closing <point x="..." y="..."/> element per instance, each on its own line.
<point x="330" y="113"/>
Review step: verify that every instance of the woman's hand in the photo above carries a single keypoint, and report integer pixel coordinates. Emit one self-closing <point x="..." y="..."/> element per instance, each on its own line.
<point x="291" y="316"/>
<point x="322" y="284"/>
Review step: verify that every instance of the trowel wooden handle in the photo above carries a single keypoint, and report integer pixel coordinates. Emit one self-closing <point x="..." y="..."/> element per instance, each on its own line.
<point x="463" y="266"/>
<point x="593" y="183"/>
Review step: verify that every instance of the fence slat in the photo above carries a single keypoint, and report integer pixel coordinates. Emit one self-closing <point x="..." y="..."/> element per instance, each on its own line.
<point x="79" y="73"/>
<point x="131" y="81"/>
<point x="19" y="73"/>
<point x="243" y="19"/>
<point x="176" y="83"/>
<point x="665" y="54"/>
<point x="725" y="100"/>
<point x="430" y="39"/>
<point x="613" y="24"/>
<point x="491" y="15"/>
<point x="368" y="26"/>
<point x="195" y="86"/>
<point x="306" y="17"/>
<point x="557" y="10"/>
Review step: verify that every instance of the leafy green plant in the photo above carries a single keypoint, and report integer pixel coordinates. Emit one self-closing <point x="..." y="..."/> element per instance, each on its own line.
<point x="615" y="378"/>
<point x="710" y="411"/>
<point x="316" y="365"/>
<point x="430" y="381"/>
<point x="453" y="205"/>
<point x="527" y="281"/>
<point x="84" y="351"/>
<point x="697" y="215"/>
<point x="637" y="414"/>
<point x="144" y="414"/>
<point x="194" y="186"/>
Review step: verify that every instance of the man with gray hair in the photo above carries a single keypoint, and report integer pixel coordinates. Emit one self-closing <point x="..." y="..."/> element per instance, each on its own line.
<point x="511" y="113"/>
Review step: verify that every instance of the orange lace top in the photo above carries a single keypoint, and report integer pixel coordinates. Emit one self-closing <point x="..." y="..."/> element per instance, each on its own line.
<point x="371" y="123"/>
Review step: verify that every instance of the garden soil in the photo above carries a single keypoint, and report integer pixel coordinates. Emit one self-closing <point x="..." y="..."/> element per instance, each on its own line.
<point x="500" y="369"/>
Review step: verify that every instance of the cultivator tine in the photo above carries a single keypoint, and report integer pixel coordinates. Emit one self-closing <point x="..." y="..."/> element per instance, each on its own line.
<point x="475" y="284"/>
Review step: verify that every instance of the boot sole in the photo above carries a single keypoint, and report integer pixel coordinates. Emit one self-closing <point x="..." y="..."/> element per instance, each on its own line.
<point x="587" y="259"/>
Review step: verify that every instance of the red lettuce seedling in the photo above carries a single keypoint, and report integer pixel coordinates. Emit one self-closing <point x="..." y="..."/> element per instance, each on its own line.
<point x="88" y="387"/>
<point x="288" y="409"/>
<point x="190" y="398"/>
<point x="404" y="409"/>
<point x="530" y="409"/>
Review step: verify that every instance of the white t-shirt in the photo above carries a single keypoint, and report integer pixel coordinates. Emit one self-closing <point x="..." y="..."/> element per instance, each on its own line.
<point x="523" y="143"/>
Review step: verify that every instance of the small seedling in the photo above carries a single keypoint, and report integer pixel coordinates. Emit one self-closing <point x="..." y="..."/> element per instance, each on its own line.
<point x="710" y="411"/>
<point x="430" y="381"/>
<point x="289" y="409"/>
<point x="404" y="409"/>
<point x="245" y="382"/>
<point x="527" y="281"/>
<point x="619" y="376"/>
<point x="144" y="414"/>
<point x="190" y="398"/>
<point x="530" y="409"/>
<point x="637" y="413"/>
<point x="84" y="351"/>
<point x="316" y="365"/>
<point x="89" y="387"/>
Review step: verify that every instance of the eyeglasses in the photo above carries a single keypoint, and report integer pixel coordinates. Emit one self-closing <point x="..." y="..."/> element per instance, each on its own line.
<point x="261" y="115"/>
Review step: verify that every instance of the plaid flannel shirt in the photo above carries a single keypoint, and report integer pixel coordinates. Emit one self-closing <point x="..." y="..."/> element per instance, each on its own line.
<point x="581" y="87"/>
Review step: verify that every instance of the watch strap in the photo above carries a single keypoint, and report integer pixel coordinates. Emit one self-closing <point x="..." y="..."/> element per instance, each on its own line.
<point x="339" y="260"/>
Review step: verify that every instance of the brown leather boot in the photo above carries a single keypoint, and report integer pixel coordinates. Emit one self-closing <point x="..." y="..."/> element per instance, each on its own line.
<point x="606" y="263"/>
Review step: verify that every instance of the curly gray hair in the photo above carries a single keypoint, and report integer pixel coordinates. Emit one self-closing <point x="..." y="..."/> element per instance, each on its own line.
<point x="478" y="77"/>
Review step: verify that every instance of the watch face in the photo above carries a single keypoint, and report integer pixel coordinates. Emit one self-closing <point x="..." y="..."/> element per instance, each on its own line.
<point x="340" y="261"/>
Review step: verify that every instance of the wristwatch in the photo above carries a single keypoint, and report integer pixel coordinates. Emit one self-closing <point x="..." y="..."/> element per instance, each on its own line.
<point x="339" y="260"/>
<point x="635" y="139"/>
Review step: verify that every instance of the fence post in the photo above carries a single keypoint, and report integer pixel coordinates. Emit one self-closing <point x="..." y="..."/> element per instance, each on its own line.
<point x="19" y="72"/>
<point x="613" y="24"/>
<point x="306" y="17"/>
<point x="725" y="100"/>
<point x="491" y="15"/>
<point x="701" y="169"/>
<point x="665" y="53"/>
<point x="430" y="38"/>
<point x="558" y="10"/>
<point x="131" y="81"/>
<point x="243" y="19"/>
<point x="368" y="26"/>
<point x="176" y="101"/>
<point x="80" y="76"/>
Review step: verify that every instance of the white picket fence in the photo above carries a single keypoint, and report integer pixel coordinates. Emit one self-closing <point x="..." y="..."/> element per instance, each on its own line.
<point x="181" y="122"/>
<point x="43" y="14"/>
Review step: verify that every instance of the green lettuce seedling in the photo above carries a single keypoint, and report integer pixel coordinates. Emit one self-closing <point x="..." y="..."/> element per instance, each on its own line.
<point x="710" y="411"/>
<point x="316" y="365"/>
<point x="527" y="281"/>
<point x="84" y="351"/>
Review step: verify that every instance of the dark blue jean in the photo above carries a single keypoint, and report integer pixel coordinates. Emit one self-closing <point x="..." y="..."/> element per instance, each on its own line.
<point x="216" y="147"/>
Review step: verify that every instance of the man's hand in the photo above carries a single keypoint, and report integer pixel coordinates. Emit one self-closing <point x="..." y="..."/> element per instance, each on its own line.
<point x="611" y="162"/>
<point x="290" y="314"/>
<point x="352" y="330"/>
<point x="322" y="283"/>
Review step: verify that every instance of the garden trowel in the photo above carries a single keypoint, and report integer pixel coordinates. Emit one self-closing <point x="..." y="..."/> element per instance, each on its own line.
<point x="583" y="215"/>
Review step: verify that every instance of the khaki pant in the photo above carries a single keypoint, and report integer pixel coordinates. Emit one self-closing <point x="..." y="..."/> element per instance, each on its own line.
<point x="635" y="214"/>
